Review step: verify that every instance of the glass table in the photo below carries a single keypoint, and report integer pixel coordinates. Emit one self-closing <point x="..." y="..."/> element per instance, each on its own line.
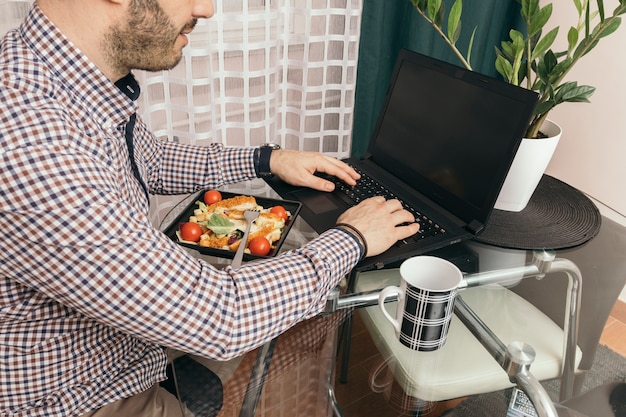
<point x="269" y="379"/>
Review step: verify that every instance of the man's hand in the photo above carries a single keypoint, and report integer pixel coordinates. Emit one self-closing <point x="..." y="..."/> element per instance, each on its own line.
<point x="378" y="219"/>
<point x="297" y="168"/>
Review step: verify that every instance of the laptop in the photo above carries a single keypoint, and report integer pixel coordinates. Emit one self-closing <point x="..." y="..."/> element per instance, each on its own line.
<point x="443" y="144"/>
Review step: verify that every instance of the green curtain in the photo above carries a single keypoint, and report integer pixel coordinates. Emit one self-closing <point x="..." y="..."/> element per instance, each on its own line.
<point x="390" y="25"/>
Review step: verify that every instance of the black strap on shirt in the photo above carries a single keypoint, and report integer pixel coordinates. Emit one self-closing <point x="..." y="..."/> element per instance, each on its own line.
<point x="129" y="86"/>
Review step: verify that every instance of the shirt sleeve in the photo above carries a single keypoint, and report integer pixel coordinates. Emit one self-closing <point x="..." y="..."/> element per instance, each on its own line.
<point x="174" y="168"/>
<point x="85" y="247"/>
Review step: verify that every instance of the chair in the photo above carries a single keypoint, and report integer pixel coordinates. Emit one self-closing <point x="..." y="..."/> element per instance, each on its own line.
<point x="463" y="366"/>
<point x="607" y="400"/>
<point x="603" y="267"/>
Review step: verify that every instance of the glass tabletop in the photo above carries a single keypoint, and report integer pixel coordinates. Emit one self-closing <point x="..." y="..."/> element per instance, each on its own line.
<point x="520" y="310"/>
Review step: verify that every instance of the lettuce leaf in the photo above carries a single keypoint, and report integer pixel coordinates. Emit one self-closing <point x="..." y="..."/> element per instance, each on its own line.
<point x="220" y="225"/>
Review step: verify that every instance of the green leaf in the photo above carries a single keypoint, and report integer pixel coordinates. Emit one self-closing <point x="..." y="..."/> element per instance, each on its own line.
<point x="604" y="30"/>
<point x="440" y="17"/>
<point x="587" y="18"/>
<point x="420" y="4"/>
<point x="556" y="71"/>
<point x="542" y="71"/>
<point x="471" y="44"/>
<point x="544" y="44"/>
<point x="518" y="39"/>
<point x="539" y="20"/>
<point x="601" y="9"/>
<point x="522" y="73"/>
<point x="550" y="60"/>
<point x="433" y="9"/>
<point x="564" y="89"/>
<point x="546" y="67"/>
<point x="579" y="6"/>
<point x="572" y="38"/>
<point x="507" y="50"/>
<point x="544" y="107"/>
<point x="585" y="46"/>
<point x="504" y="68"/>
<point x="454" y="21"/>
<point x="219" y="224"/>
<point x="529" y="8"/>
<point x="573" y="93"/>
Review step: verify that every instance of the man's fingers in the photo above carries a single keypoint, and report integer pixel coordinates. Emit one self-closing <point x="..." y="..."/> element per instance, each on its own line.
<point x="339" y="169"/>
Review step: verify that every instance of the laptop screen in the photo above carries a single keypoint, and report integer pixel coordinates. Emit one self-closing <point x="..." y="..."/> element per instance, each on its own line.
<point x="450" y="133"/>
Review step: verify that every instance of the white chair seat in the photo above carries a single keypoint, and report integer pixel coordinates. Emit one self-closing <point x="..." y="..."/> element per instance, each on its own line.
<point x="462" y="366"/>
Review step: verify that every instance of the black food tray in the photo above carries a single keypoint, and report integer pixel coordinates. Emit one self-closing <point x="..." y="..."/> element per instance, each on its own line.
<point x="293" y="207"/>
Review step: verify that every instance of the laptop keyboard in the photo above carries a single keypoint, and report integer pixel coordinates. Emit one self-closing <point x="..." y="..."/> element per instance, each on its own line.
<point x="367" y="187"/>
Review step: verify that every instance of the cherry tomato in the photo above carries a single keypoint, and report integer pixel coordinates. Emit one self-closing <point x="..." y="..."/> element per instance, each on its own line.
<point x="280" y="211"/>
<point x="259" y="246"/>
<point x="212" y="196"/>
<point x="190" y="231"/>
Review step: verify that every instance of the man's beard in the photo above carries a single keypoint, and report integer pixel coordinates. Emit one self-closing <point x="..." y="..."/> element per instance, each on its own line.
<point x="147" y="40"/>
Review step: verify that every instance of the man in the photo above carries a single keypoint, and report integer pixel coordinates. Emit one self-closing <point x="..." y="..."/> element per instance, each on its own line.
<point x="90" y="292"/>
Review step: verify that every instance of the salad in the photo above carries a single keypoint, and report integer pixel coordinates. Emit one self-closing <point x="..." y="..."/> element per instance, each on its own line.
<point x="221" y="224"/>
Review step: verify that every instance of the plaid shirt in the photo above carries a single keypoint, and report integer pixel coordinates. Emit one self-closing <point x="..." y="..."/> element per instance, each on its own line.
<point x="89" y="290"/>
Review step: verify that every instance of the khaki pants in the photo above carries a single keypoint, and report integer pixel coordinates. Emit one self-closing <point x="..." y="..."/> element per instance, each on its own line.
<point x="155" y="402"/>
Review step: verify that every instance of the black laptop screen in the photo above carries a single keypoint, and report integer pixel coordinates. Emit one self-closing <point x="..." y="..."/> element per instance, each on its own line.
<point x="450" y="132"/>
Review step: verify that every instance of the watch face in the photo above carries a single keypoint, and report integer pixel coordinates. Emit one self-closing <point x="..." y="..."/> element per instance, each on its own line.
<point x="271" y="145"/>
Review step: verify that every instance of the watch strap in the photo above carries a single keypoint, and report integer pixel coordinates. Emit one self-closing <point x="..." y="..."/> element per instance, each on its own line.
<point x="265" y="153"/>
<point x="261" y="158"/>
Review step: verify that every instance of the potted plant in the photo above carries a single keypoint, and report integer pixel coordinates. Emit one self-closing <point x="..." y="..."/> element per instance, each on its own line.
<point x="528" y="60"/>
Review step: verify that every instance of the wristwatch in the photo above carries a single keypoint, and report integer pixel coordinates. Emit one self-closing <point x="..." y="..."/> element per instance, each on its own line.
<point x="264" y="155"/>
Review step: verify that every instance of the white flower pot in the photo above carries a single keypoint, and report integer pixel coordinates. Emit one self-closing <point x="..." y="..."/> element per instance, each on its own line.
<point x="530" y="162"/>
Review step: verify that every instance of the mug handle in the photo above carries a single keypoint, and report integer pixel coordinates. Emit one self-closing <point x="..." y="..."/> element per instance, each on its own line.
<point x="384" y="294"/>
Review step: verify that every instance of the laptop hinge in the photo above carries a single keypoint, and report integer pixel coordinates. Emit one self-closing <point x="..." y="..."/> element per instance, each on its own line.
<point x="475" y="227"/>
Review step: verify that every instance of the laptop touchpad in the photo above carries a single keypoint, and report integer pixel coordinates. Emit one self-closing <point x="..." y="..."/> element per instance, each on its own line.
<point x="316" y="201"/>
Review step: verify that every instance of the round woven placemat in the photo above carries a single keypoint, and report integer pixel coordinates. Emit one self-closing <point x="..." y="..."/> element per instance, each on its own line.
<point x="557" y="216"/>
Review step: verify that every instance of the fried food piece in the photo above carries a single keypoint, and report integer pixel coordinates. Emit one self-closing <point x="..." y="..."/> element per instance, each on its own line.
<point x="212" y="241"/>
<point x="232" y="207"/>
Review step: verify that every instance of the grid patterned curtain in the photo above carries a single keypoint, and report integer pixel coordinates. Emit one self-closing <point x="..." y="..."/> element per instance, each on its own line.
<point x="281" y="71"/>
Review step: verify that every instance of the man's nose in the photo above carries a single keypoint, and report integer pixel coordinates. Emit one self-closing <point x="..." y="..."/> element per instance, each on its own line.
<point x="203" y="9"/>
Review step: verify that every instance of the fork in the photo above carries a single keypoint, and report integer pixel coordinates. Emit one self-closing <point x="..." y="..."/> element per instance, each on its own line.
<point x="250" y="216"/>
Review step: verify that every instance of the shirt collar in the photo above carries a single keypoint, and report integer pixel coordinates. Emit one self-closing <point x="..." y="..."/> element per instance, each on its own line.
<point x="73" y="69"/>
<point x="129" y="86"/>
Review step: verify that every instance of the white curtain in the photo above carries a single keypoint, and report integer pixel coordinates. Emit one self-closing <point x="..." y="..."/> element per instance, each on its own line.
<point x="12" y="12"/>
<point x="281" y="71"/>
